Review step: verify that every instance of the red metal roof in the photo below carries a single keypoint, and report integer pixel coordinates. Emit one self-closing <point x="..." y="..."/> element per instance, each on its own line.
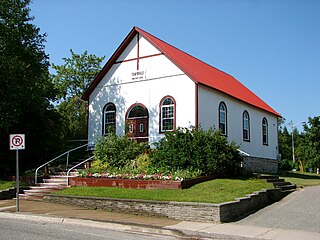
<point x="198" y="71"/>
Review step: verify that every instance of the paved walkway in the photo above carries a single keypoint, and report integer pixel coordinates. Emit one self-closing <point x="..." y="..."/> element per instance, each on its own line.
<point x="240" y="230"/>
<point x="298" y="211"/>
<point x="52" y="209"/>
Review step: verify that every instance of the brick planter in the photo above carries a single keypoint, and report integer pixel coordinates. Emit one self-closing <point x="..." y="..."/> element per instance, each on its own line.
<point x="137" y="184"/>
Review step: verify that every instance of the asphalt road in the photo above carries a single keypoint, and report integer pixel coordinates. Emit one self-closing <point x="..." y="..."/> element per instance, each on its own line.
<point x="299" y="210"/>
<point x="18" y="229"/>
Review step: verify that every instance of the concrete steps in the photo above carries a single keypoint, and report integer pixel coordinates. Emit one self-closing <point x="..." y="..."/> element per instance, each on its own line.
<point x="58" y="181"/>
<point x="74" y="173"/>
<point x="290" y="187"/>
<point x="279" y="183"/>
<point x="29" y="197"/>
<point x="274" y="179"/>
<point x="51" y="184"/>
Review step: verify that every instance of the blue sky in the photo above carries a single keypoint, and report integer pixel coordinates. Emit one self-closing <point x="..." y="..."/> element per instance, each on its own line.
<point x="271" y="46"/>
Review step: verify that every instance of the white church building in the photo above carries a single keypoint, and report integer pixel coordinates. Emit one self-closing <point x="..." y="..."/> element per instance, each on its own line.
<point x="149" y="87"/>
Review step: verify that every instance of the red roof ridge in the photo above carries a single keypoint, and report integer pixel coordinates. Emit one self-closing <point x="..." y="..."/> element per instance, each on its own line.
<point x="142" y="31"/>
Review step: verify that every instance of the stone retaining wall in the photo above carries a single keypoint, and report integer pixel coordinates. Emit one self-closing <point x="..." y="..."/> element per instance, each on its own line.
<point x="242" y="207"/>
<point x="201" y="212"/>
<point x="260" y="165"/>
<point x="7" y="194"/>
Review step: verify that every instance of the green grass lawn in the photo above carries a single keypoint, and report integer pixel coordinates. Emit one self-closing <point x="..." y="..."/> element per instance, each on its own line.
<point x="301" y="179"/>
<point x="215" y="191"/>
<point x="6" y="184"/>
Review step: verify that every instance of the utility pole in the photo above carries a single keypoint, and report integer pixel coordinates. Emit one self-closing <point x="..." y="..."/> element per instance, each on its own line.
<point x="292" y="130"/>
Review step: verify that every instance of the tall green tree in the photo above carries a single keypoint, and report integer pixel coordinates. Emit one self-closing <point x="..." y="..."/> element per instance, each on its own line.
<point x="74" y="76"/>
<point x="308" y="150"/>
<point x="285" y="149"/>
<point x="26" y="90"/>
<point x="71" y="80"/>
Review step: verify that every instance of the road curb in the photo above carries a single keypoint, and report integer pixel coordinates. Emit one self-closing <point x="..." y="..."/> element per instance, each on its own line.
<point x="31" y="217"/>
<point x="115" y="226"/>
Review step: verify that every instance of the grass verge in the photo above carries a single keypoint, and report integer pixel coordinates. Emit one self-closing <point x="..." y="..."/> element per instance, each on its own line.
<point x="301" y="179"/>
<point x="6" y="184"/>
<point x="215" y="191"/>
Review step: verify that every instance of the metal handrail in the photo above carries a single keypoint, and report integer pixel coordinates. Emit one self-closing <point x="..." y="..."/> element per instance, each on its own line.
<point x="77" y="166"/>
<point x="243" y="153"/>
<point x="67" y="152"/>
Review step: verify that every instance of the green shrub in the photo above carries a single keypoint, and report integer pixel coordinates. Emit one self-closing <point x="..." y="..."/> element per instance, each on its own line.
<point x="99" y="165"/>
<point x="116" y="151"/>
<point x="142" y="163"/>
<point x="197" y="150"/>
<point x="185" y="174"/>
<point x="285" y="164"/>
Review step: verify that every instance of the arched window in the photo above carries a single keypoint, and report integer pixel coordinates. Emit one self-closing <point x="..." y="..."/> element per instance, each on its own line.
<point x="167" y="114"/>
<point x="223" y="118"/>
<point x="246" y="126"/>
<point x="137" y="111"/>
<point x="109" y="119"/>
<point x="264" y="131"/>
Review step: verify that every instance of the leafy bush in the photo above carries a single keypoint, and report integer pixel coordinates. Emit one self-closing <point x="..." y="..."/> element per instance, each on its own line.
<point x="185" y="174"/>
<point x="184" y="153"/>
<point x="141" y="163"/>
<point x="99" y="165"/>
<point x="285" y="164"/>
<point x="197" y="150"/>
<point x="116" y="151"/>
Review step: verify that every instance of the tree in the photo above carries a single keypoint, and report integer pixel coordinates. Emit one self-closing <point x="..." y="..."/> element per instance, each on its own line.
<point x="285" y="149"/>
<point x="26" y="91"/>
<point x="308" y="151"/>
<point x="74" y="76"/>
<point x="71" y="80"/>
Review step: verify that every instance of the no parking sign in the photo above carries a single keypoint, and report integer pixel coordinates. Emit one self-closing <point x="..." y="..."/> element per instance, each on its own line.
<point x="17" y="142"/>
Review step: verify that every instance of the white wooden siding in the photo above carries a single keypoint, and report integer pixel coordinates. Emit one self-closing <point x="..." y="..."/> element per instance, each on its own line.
<point x="209" y="100"/>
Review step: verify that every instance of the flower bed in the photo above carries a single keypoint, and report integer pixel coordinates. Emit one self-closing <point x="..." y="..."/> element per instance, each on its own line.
<point x="136" y="183"/>
<point x="141" y="176"/>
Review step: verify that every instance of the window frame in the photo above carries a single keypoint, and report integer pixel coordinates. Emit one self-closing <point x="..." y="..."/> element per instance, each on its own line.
<point x="244" y="114"/>
<point x="161" y="118"/>
<point x="265" y="135"/>
<point x="225" y="111"/>
<point x="136" y="105"/>
<point x="104" y="118"/>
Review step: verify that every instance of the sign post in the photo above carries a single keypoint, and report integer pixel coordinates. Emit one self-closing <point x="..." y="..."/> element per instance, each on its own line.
<point x="17" y="142"/>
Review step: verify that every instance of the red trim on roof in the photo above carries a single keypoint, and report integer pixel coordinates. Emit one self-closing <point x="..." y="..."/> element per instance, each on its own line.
<point x="198" y="71"/>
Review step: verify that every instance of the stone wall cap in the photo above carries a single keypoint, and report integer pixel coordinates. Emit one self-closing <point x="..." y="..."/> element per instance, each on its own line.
<point x="135" y="200"/>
